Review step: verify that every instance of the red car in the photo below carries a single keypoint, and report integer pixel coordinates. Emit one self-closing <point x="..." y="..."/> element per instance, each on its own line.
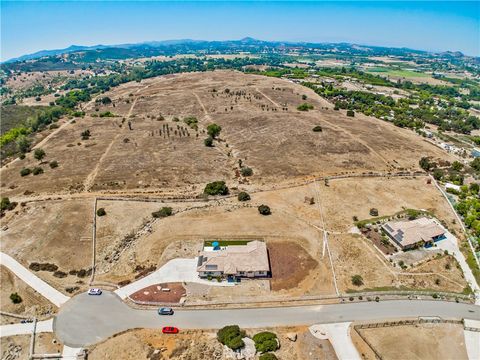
<point x="170" y="330"/>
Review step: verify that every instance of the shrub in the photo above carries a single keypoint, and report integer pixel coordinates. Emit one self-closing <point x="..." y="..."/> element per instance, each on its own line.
<point x="264" y="210"/>
<point x="350" y="113"/>
<point x="216" y="188"/>
<point x="373" y="212"/>
<point x="214" y="130"/>
<point x="246" y="171"/>
<point x="357" y="280"/>
<point x="163" y="212"/>
<point x="268" y="356"/>
<point x="208" y="141"/>
<point x="53" y="164"/>
<point x="243" y="196"/>
<point x="37" y="170"/>
<point x="101" y="212"/>
<point x="191" y="121"/>
<point x="231" y="336"/>
<point x="85" y="134"/>
<point x="16" y="299"/>
<point x="317" y="128"/>
<point x="6" y="204"/>
<point x="265" y="341"/>
<point x="107" y="114"/>
<point x="39" y="154"/>
<point x="304" y="107"/>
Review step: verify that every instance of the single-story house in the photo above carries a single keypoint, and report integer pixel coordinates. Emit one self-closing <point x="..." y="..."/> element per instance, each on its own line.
<point x="250" y="260"/>
<point x="414" y="233"/>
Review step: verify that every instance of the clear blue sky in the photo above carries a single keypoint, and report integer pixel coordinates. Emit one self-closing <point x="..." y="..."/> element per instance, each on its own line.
<point x="31" y="26"/>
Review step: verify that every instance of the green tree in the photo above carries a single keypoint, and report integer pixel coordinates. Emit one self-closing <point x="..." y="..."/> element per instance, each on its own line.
<point x="265" y="341"/>
<point x="438" y="174"/>
<point x="425" y="164"/>
<point x="243" y="196"/>
<point x="374" y="212"/>
<point x="475" y="164"/>
<point x="231" y="336"/>
<point x="6" y="204"/>
<point x="25" y="172"/>
<point x="208" y="141"/>
<point x="357" y="280"/>
<point x="101" y="212"/>
<point x="163" y="212"/>
<point x="246" y="171"/>
<point x="214" y="130"/>
<point x="39" y="154"/>
<point x="350" y="113"/>
<point x="457" y="166"/>
<point x="23" y="144"/>
<point x="264" y="210"/>
<point x="474" y="188"/>
<point x="268" y="356"/>
<point x="304" y="107"/>
<point x="16" y="299"/>
<point x="37" y="170"/>
<point x="216" y="188"/>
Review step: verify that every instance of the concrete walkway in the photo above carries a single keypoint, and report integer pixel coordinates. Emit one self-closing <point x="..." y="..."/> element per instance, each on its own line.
<point x="50" y="293"/>
<point x="176" y="270"/>
<point x="451" y="245"/>
<point x="70" y="352"/>
<point x="472" y="339"/>
<point x="339" y="336"/>
<point x="26" y="329"/>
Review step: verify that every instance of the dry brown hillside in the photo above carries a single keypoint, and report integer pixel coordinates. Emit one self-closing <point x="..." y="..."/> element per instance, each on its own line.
<point x="261" y="127"/>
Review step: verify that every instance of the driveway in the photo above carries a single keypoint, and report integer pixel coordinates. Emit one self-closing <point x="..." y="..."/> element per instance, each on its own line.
<point x="86" y="320"/>
<point x="450" y="244"/>
<point x="50" y="293"/>
<point x="176" y="270"/>
<point x="339" y="336"/>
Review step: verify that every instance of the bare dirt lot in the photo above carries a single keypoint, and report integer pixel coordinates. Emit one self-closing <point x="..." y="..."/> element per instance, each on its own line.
<point x="260" y="126"/>
<point x="203" y="345"/>
<point x="417" y="342"/>
<point x="290" y="264"/>
<point x="157" y="294"/>
<point x="33" y="304"/>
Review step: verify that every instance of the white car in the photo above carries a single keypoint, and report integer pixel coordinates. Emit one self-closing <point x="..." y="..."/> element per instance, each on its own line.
<point x="94" y="291"/>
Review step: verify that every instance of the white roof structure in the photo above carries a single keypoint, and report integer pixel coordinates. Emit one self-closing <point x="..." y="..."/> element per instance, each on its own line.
<point x="234" y="259"/>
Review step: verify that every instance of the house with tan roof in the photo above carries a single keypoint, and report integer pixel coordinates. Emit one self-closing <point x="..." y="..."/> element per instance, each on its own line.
<point x="249" y="260"/>
<point x="414" y="233"/>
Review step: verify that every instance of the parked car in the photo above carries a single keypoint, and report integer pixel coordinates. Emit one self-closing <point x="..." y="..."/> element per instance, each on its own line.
<point x="165" y="311"/>
<point x="94" y="291"/>
<point x="170" y="330"/>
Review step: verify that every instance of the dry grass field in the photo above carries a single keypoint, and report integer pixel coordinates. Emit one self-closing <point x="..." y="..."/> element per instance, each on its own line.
<point x="18" y="347"/>
<point x="203" y="345"/>
<point x="260" y="126"/>
<point x="415" y="342"/>
<point x="33" y="304"/>
<point x="142" y="149"/>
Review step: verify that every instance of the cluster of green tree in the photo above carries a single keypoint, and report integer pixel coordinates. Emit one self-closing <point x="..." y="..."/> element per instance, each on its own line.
<point x="216" y="188"/>
<point x="400" y="112"/>
<point x="72" y="98"/>
<point x="468" y="206"/>
<point x="34" y="123"/>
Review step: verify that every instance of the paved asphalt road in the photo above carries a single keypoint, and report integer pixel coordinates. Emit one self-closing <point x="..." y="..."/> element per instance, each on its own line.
<point x="85" y="320"/>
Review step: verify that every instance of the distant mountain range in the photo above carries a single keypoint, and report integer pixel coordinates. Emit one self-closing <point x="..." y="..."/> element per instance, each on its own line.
<point x="234" y="43"/>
